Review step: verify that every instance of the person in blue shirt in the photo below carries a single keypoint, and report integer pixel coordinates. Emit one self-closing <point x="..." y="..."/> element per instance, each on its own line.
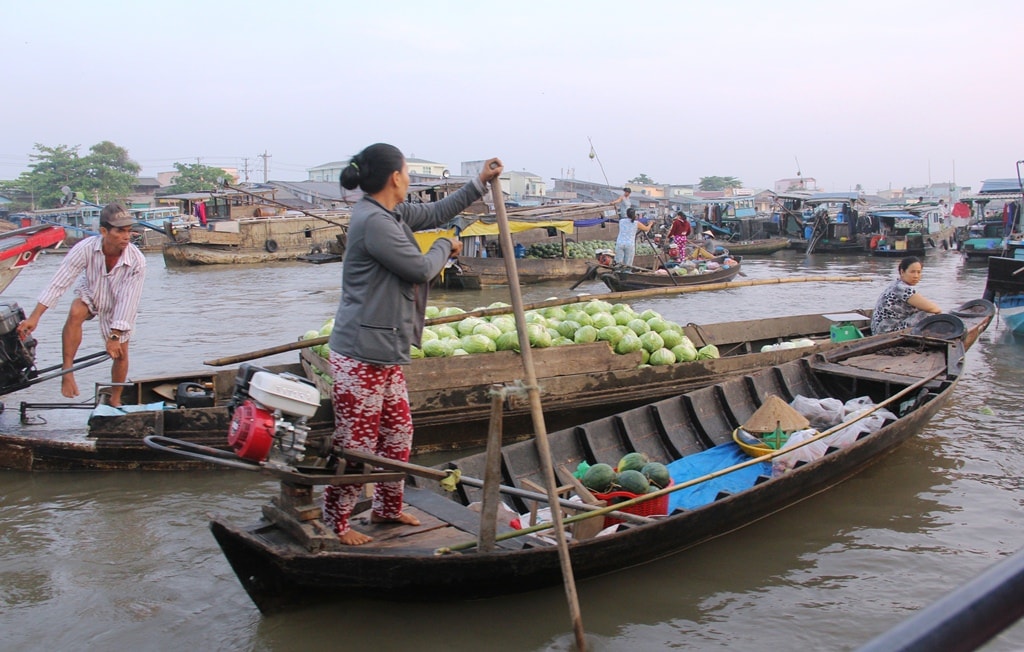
<point x="625" y="244"/>
<point x="624" y="202"/>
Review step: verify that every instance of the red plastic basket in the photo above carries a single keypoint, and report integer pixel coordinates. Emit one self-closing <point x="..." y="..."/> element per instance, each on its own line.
<point x="653" y="507"/>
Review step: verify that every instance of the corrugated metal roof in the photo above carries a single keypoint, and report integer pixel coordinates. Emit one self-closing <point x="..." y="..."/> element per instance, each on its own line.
<point x="996" y="186"/>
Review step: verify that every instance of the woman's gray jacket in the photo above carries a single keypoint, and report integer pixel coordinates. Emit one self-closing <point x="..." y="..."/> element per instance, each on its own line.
<point x="385" y="276"/>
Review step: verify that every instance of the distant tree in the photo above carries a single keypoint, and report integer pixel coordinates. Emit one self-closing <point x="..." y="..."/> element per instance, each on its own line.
<point x="194" y="177"/>
<point x="642" y="179"/>
<point x="719" y="183"/>
<point x="859" y="188"/>
<point x="106" y="174"/>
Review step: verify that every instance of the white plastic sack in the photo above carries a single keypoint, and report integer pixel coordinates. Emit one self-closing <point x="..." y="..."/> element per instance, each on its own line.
<point x="822" y="413"/>
<point x="808" y="453"/>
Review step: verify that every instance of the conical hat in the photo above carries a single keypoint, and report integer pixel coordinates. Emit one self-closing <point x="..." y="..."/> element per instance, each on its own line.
<point x="774" y="413"/>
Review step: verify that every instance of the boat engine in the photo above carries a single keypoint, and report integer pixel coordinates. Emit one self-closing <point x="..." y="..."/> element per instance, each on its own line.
<point x="17" y="356"/>
<point x="269" y="414"/>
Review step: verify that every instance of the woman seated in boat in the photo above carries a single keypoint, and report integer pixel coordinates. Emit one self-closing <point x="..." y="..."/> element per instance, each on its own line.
<point x="900" y="306"/>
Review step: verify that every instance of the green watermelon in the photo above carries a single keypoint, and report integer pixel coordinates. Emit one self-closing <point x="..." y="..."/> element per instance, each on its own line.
<point x="633" y="481"/>
<point x="599" y="477"/>
<point x="632" y="462"/>
<point x="657" y="473"/>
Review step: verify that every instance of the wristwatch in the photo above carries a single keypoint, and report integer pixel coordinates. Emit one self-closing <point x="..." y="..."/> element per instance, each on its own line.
<point x="114" y="337"/>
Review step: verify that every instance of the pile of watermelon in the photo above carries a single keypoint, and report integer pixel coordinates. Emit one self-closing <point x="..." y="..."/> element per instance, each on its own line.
<point x="587" y="249"/>
<point x="660" y="341"/>
<point x="634" y="474"/>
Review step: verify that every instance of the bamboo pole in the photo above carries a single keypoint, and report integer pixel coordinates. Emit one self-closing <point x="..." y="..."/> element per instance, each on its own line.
<point x="564" y="301"/>
<point x="537" y="413"/>
<point x="704" y="478"/>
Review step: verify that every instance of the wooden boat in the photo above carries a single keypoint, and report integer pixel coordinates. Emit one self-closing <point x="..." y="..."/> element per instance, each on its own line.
<point x="621" y="280"/>
<point x="450" y="397"/>
<point x="248" y="227"/>
<point x="763" y="247"/>
<point x="491" y="271"/>
<point x="1005" y="287"/>
<point x="289" y="557"/>
<point x="19" y="247"/>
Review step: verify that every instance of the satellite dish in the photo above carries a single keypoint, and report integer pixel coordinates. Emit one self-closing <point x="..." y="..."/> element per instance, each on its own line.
<point x="446" y="174"/>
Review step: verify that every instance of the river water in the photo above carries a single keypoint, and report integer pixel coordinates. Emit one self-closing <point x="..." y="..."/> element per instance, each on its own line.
<point x="99" y="561"/>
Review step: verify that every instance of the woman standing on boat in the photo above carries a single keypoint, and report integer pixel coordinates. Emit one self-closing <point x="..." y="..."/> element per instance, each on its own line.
<point x="381" y="314"/>
<point x="680" y="231"/>
<point x="900" y="306"/>
<point x="625" y="244"/>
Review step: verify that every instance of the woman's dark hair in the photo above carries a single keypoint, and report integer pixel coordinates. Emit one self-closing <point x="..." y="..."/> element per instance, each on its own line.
<point x="908" y="261"/>
<point x="631" y="213"/>
<point x="370" y="169"/>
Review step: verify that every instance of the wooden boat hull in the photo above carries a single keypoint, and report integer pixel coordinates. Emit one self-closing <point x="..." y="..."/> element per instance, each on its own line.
<point x="19" y="247"/>
<point x="491" y="271"/>
<point x="763" y="247"/>
<point x="621" y="281"/>
<point x="450" y="397"/>
<point x="401" y="563"/>
<point x="254" y="241"/>
<point x="1005" y="286"/>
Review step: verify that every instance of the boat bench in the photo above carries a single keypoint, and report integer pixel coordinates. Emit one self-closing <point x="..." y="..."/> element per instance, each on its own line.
<point x="889" y="378"/>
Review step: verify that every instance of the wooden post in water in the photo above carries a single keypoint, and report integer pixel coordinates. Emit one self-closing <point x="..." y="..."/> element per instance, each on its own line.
<point x="537" y="413"/>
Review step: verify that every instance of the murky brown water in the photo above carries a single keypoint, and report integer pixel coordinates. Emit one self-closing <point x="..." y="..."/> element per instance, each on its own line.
<point x="125" y="560"/>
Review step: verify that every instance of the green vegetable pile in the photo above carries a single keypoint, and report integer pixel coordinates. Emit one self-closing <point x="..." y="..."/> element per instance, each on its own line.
<point x="585" y="249"/>
<point x="634" y="474"/>
<point x="660" y="341"/>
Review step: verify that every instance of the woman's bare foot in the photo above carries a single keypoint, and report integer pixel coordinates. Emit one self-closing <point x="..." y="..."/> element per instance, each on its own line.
<point x="403" y="519"/>
<point x="353" y="538"/>
<point x="68" y="386"/>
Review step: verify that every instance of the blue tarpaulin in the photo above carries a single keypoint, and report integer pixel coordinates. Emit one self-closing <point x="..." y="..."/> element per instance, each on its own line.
<point x="709" y="461"/>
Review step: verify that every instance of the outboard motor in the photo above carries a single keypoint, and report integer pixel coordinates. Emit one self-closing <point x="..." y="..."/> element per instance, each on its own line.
<point x="269" y="415"/>
<point x="17" y="357"/>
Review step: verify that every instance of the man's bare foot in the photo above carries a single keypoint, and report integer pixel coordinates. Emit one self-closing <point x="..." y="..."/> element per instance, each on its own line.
<point x="403" y="519"/>
<point x="68" y="386"/>
<point x="353" y="538"/>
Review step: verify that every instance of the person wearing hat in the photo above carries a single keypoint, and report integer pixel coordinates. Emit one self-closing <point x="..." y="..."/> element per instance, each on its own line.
<point x="110" y="272"/>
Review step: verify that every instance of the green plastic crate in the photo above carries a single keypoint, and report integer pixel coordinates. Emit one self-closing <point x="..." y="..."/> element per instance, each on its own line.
<point x="844" y="332"/>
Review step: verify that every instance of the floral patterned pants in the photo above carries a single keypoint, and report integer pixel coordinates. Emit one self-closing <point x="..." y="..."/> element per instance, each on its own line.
<point x="371" y="414"/>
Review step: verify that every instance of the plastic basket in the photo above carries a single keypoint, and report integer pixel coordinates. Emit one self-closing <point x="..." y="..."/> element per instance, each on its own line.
<point x="653" y="507"/>
<point x="844" y="333"/>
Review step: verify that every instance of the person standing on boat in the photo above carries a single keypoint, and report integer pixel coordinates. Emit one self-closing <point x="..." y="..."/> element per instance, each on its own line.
<point x="110" y="272"/>
<point x="623" y="202"/>
<point x="900" y="306"/>
<point x="625" y="244"/>
<point x="381" y="314"/>
<point x="680" y="231"/>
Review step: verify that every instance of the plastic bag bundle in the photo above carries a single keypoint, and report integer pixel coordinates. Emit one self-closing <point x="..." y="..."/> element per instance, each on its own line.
<point x="822" y="413"/>
<point x="808" y="453"/>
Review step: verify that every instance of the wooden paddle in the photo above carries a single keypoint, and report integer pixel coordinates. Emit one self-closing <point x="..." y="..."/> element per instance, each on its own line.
<point x="537" y="305"/>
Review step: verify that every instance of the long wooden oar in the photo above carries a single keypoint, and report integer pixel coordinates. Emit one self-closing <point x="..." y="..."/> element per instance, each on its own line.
<point x="537" y="413"/>
<point x="705" y="478"/>
<point x="547" y="303"/>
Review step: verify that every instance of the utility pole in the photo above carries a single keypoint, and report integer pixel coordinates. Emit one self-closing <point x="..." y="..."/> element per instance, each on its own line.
<point x="245" y="169"/>
<point x="266" y="166"/>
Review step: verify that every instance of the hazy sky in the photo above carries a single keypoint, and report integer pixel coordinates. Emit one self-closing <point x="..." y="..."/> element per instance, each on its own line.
<point x="881" y="94"/>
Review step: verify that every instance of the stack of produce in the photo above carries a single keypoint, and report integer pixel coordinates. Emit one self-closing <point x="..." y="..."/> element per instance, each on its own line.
<point x="660" y="341"/>
<point x="586" y="250"/>
<point x="635" y="475"/>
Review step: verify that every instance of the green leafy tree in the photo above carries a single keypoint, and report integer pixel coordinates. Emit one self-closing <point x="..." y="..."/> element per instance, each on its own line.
<point x="642" y="179"/>
<point x="106" y="174"/>
<point x="719" y="183"/>
<point x="194" y="177"/>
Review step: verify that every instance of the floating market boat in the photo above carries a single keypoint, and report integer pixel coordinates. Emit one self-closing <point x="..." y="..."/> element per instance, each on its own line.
<point x="450" y="397"/>
<point x="621" y="280"/>
<point x="889" y="387"/>
<point x="19" y="247"/>
<point x="762" y="247"/>
<point x="248" y="226"/>
<point x="1005" y="287"/>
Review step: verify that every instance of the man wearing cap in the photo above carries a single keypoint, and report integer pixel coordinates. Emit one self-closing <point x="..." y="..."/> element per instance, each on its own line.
<point x="110" y="272"/>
